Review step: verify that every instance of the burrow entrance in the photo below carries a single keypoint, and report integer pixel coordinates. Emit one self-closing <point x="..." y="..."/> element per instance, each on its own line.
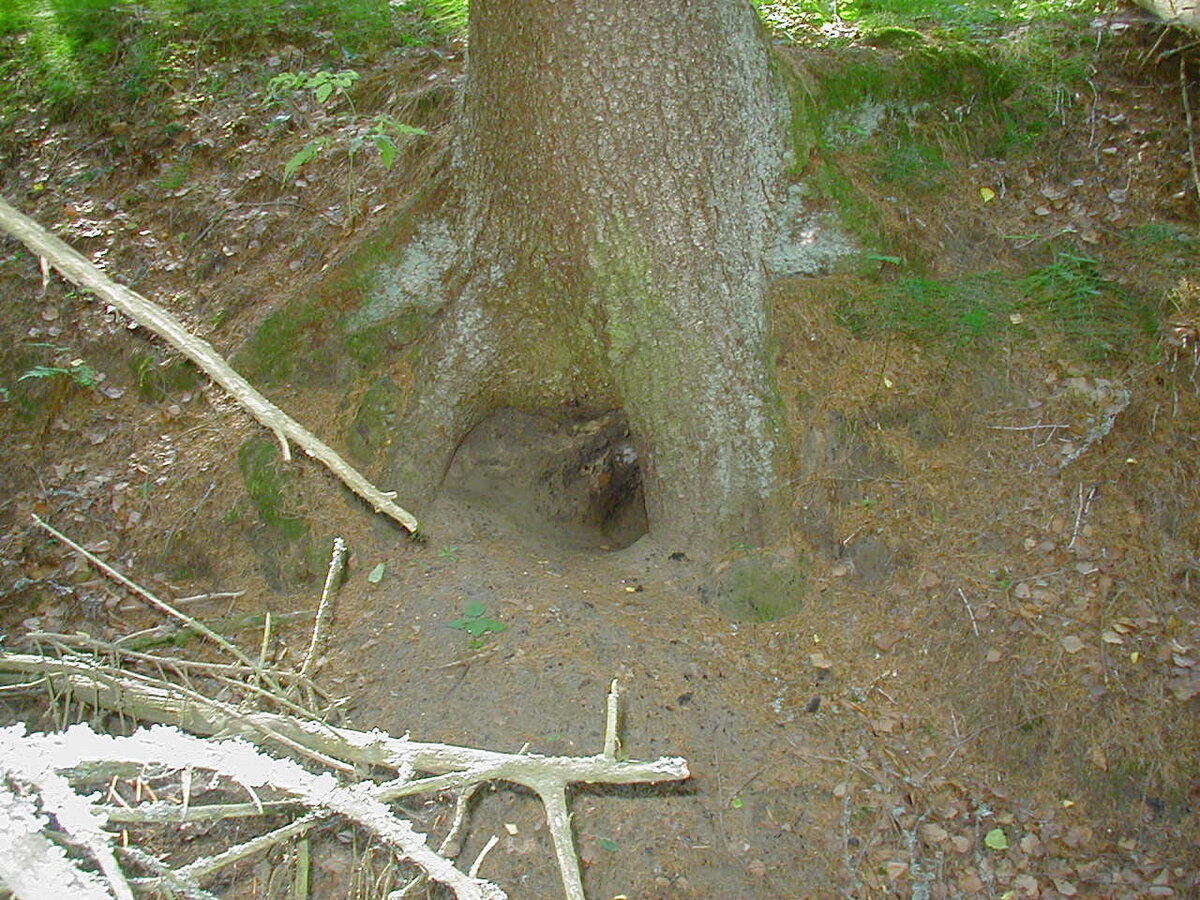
<point x="573" y="482"/>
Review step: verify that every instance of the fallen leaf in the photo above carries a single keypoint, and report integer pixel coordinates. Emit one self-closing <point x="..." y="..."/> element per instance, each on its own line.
<point x="885" y="641"/>
<point x="1072" y="644"/>
<point x="1077" y="836"/>
<point x="987" y="194"/>
<point x="1111" y="637"/>
<point x="820" y="661"/>
<point x="1026" y="885"/>
<point x="376" y="574"/>
<point x="960" y="843"/>
<point x="885" y="724"/>
<point x="1185" y="687"/>
<point x="1064" y="887"/>
<point x="970" y="883"/>
<point x="896" y="869"/>
<point x="996" y="839"/>
<point x="932" y="834"/>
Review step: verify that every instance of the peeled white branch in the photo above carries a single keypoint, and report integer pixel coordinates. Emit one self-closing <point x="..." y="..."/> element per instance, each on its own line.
<point x="76" y="268"/>
<point x="30" y="755"/>
<point x="448" y="767"/>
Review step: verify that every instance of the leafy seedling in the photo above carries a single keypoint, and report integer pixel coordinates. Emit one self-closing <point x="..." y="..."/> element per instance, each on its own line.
<point x="449" y="552"/>
<point x="79" y="372"/>
<point x="475" y="623"/>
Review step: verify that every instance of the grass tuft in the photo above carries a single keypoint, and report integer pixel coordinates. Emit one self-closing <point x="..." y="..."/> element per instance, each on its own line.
<point x="1068" y="301"/>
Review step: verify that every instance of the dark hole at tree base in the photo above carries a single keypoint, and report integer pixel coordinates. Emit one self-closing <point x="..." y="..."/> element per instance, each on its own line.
<point x="571" y="482"/>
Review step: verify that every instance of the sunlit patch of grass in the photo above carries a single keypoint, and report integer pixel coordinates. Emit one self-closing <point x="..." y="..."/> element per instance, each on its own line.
<point x="72" y="51"/>
<point x="826" y="19"/>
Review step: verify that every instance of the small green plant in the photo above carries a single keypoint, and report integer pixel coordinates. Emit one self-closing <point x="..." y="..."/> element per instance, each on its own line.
<point x="77" y="371"/>
<point x="383" y="131"/>
<point x="476" y="623"/>
<point x="323" y="84"/>
<point x="450" y="553"/>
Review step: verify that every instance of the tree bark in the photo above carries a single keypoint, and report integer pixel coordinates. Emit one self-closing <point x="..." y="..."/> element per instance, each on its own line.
<point x="615" y="172"/>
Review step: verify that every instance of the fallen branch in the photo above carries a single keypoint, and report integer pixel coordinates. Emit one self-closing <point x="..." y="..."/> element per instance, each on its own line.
<point x="76" y="268"/>
<point x="146" y="595"/>
<point x="336" y="564"/>
<point x="37" y="760"/>
<point x="446" y="767"/>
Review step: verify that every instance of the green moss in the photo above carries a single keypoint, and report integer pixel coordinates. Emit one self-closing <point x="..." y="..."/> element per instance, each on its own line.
<point x="371" y="346"/>
<point x="159" y="378"/>
<point x="895" y="36"/>
<point x="1154" y="234"/>
<point x="176" y="176"/>
<point x="914" y="167"/>
<point x="855" y="209"/>
<point x="266" y="483"/>
<point x="285" y="343"/>
<point x="760" y="588"/>
<point x="375" y="423"/>
<point x="290" y="555"/>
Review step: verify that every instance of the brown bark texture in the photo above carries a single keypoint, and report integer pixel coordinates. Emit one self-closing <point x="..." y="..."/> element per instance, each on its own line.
<point x="615" y="172"/>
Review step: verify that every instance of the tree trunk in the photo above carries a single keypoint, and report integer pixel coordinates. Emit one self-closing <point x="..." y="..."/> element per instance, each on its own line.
<point x="615" y="171"/>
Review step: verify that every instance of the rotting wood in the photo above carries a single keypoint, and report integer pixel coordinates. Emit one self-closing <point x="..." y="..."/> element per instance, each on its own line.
<point x="78" y="270"/>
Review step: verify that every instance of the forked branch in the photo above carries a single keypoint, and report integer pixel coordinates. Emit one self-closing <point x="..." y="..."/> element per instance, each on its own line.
<point x="422" y="768"/>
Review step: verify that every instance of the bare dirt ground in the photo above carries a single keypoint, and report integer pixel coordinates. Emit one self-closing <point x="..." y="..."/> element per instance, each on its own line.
<point x="1002" y="631"/>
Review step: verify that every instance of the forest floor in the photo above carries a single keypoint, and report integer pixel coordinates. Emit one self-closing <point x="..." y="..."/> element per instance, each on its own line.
<point x="993" y="687"/>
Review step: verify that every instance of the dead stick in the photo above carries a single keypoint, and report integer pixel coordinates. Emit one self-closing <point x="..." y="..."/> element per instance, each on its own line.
<point x="1191" y="132"/>
<point x="76" y="268"/>
<point x="161" y="606"/>
<point x="336" y="564"/>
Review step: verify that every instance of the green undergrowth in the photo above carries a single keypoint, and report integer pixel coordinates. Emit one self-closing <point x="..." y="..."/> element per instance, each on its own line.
<point x="846" y="20"/>
<point x="1068" y="302"/>
<point x="267" y="485"/>
<point x="290" y="554"/>
<point x="75" y="54"/>
<point x="890" y="113"/>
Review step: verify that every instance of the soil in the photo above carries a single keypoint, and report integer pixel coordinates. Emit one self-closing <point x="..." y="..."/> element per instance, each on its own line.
<point x="1000" y="630"/>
